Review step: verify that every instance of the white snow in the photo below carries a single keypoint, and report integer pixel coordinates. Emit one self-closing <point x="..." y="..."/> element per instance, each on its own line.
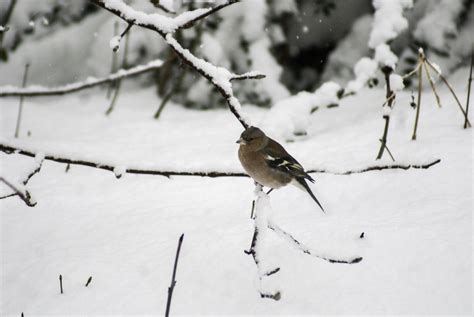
<point x="396" y="82"/>
<point x="115" y="43"/>
<point x="388" y="20"/>
<point x="440" y="21"/>
<point x="364" y="69"/>
<point x="161" y="22"/>
<point x="119" y="171"/>
<point x="417" y="247"/>
<point x="385" y="57"/>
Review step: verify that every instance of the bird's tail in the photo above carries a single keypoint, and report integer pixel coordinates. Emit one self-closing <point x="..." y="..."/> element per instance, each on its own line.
<point x="301" y="181"/>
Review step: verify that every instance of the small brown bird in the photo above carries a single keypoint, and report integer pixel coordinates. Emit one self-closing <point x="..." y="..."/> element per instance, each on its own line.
<point x="269" y="164"/>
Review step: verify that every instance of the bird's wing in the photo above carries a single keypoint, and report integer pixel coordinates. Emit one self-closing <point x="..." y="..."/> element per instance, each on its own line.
<point x="278" y="158"/>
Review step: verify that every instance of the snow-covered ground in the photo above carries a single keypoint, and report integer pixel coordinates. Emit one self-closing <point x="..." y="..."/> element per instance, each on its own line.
<point x="123" y="232"/>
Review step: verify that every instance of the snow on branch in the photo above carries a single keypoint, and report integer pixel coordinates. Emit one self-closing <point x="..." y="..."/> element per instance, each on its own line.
<point x="120" y="169"/>
<point x="218" y="76"/>
<point x="41" y="91"/>
<point x="20" y="190"/>
<point x="160" y="23"/>
<point x="300" y="246"/>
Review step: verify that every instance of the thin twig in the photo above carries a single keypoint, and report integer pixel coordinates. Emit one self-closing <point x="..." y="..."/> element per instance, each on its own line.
<point x="451" y="89"/>
<point x="418" y="103"/>
<point x="61" y="283"/>
<point x="38" y="91"/>
<point x="387" y="71"/>
<point x="173" y="278"/>
<point x="20" y="107"/>
<point x="412" y="72"/>
<point x="469" y="88"/>
<point x="113" y="65"/>
<point x="433" y="87"/>
<point x="89" y="280"/>
<point x="118" y="84"/>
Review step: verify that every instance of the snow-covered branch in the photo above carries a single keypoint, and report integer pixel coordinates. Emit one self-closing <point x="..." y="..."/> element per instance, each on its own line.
<point x="20" y="190"/>
<point x="41" y="91"/>
<point x="166" y="26"/>
<point x="262" y="208"/>
<point x="120" y="169"/>
<point x="300" y="246"/>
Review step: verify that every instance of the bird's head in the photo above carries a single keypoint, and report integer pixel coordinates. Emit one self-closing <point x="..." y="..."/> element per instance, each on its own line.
<point x="254" y="138"/>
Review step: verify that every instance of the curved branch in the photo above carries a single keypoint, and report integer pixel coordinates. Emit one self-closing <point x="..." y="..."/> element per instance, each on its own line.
<point x="40" y="91"/>
<point x="9" y="149"/>
<point x="165" y="26"/>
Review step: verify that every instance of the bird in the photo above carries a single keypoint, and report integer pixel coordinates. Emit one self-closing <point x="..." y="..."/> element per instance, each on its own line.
<point x="269" y="164"/>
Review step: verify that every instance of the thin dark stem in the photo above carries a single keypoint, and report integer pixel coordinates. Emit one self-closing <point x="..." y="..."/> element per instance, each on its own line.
<point x="469" y="89"/>
<point x="173" y="278"/>
<point x="451" y="89"/>
<point x="89" y="280"/>
<point x="118" y="84"/>
<point x="418" y="103"/>
<point x="61" y="283"/>
<point x="433" y="87"/>
<point x="390" y="97"/>
<point x="20" y="107"/>
<point x="113" y="65"/>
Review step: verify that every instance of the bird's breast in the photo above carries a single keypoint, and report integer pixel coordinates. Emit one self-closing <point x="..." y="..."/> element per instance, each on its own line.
<point x="256" y="166"/>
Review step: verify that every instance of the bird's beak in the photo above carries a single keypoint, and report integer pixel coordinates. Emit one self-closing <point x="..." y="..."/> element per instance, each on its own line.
<point x="241" y="141"/>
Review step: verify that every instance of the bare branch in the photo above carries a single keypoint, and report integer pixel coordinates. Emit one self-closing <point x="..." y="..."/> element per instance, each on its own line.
<point x="249" y="75"/>
<point x="167" y="173"/>
<point x="40" y="91"/>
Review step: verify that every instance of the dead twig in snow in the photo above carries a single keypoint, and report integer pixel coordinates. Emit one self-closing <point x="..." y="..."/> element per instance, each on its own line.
<point x="420" y="83"/>
<point x="390" y="95"/>
<point x="173" y="278"/>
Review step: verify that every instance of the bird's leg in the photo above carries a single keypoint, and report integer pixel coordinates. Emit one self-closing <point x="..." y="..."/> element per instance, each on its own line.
<point x="269" y="191"/>
<point x="252" y="216"/>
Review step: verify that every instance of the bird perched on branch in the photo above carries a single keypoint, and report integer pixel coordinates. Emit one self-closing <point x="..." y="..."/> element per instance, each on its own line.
<point x="269" y="164"/>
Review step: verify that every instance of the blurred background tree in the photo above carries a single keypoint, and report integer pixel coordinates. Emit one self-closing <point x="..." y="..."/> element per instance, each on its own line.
<point x="299" y="44"/>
